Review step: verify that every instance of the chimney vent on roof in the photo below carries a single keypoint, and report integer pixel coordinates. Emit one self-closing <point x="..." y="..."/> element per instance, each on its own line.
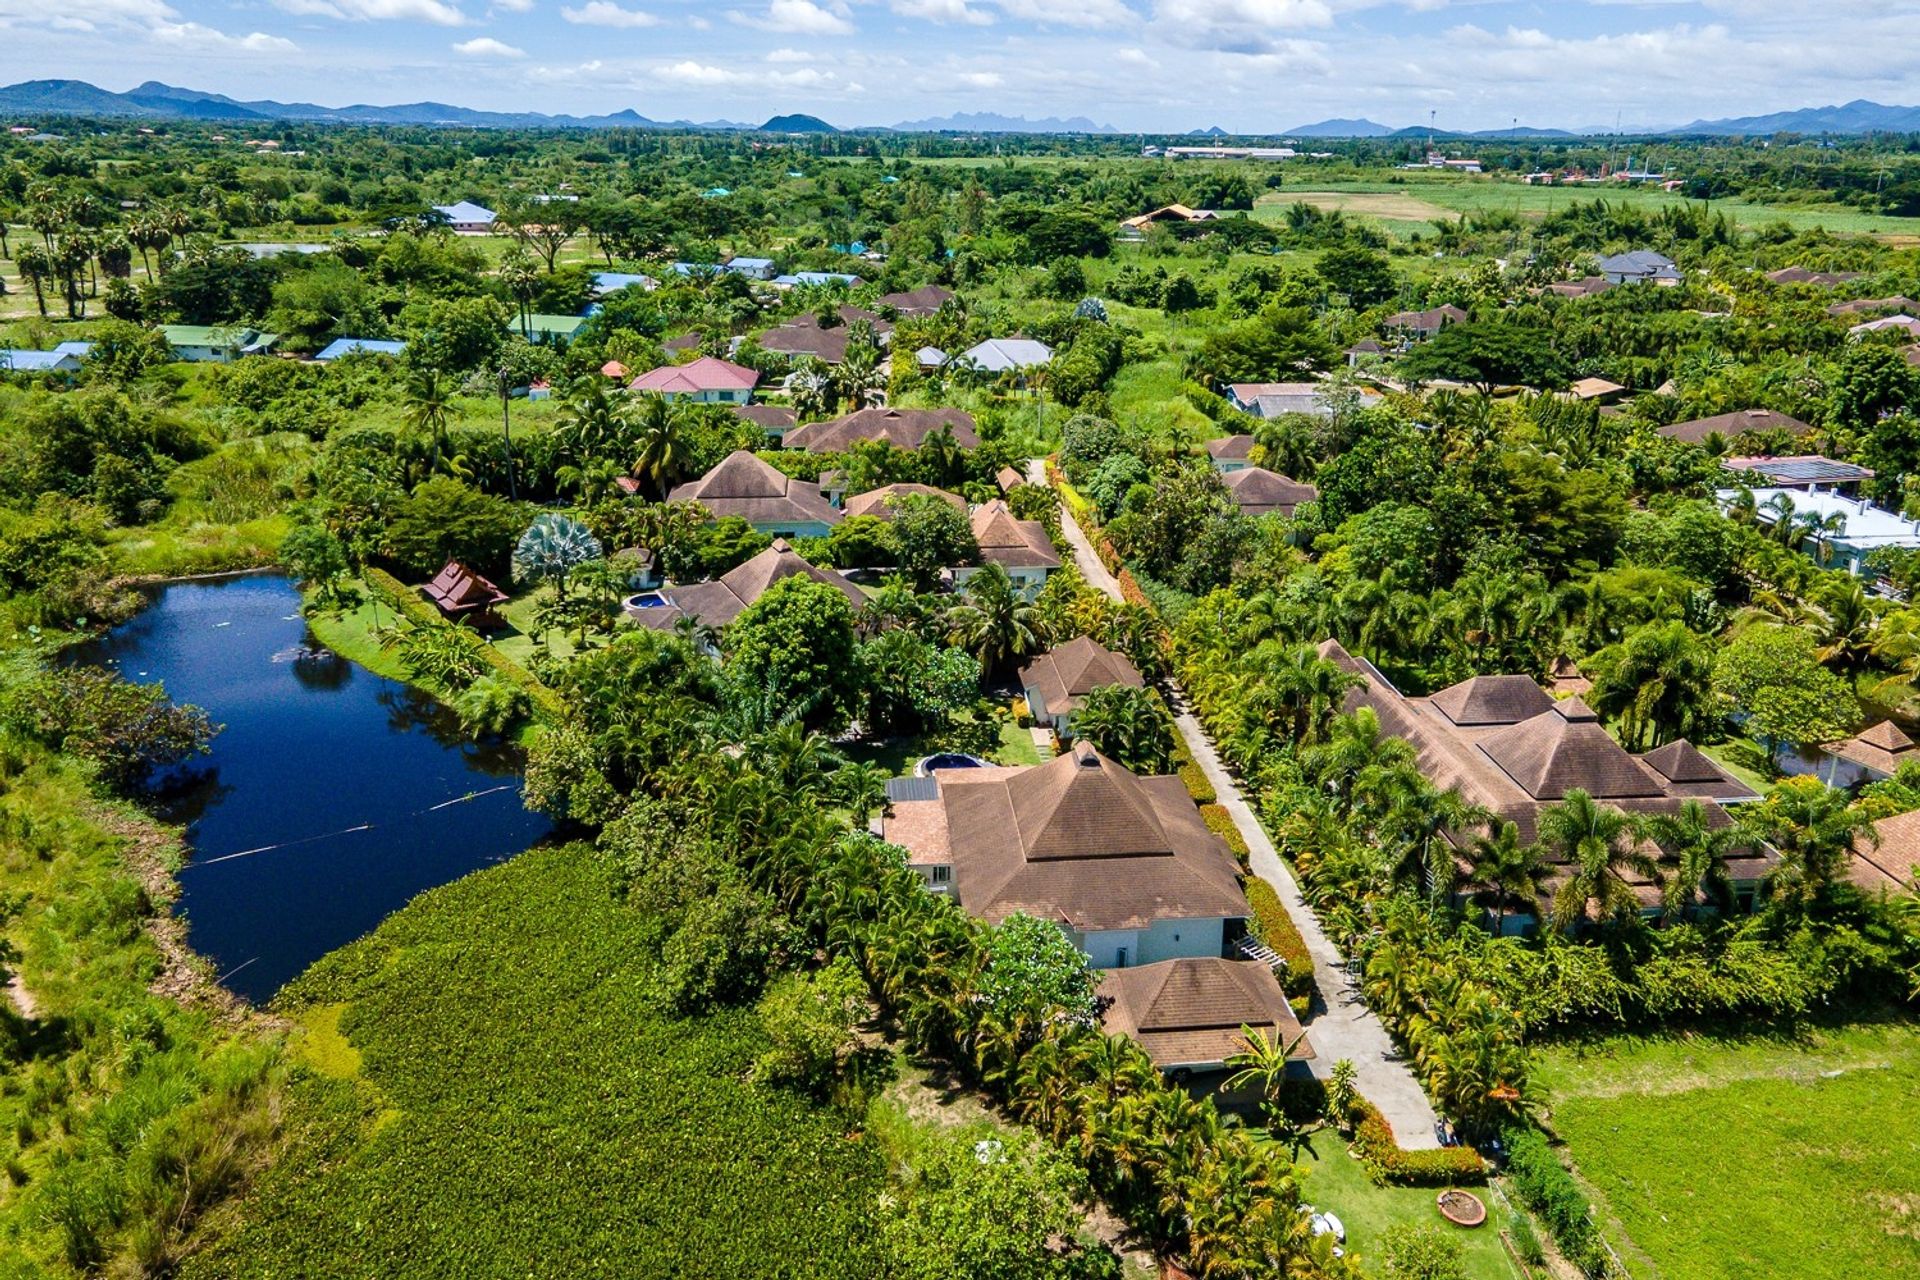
<point x="1083" y="755"/>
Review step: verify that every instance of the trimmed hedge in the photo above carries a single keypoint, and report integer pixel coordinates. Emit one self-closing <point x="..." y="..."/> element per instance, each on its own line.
<point x="407" y="603"/>
<point x="1389" y="1164"/>
<point x="1220" y="822"/>
<point x="1196" y="781"/>
<point x="1278" y="931"/>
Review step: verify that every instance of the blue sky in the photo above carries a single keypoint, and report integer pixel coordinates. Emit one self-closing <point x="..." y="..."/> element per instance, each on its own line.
<point x="1247" y="65"/>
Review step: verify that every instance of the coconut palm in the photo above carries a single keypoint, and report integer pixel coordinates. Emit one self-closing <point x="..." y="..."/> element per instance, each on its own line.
<point x="660" y="443"/>
<point x="1597" y="846"/>
<point x="1128" y="725"/>
<point x="590" y="424"/>
<point x="551" y="549"/>
<point x="1695" y="857"/>
<point x="426" y="399"/>
<point x="1505" y="872"/>
<point x="1261" y="1062"/>
<point x="993" y="622"/>
<point x="1814" y="828"/>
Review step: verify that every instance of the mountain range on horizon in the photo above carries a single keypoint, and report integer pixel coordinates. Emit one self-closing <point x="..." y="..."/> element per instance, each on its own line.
<point x="158" y="101"/>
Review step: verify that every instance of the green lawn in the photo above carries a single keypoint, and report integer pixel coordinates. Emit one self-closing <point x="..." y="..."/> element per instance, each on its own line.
<point x="1336" y="1183"/>
<point x="1754" y="1158"/>
<point x="493" y="1088"/>
<point x="1397" y="204"/>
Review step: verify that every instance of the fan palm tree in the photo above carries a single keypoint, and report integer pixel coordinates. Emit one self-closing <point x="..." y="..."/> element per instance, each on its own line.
<point x="1506" y="872"/>
<point x="551" y="549"/>
<point x="1597" y="845"/>
<point x="993" y="622"/>
<point x="1696" y="858"/>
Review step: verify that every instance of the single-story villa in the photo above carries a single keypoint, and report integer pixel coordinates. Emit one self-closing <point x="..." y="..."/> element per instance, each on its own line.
<point x="716" y="603"/>
<point x="1875" y="306"/>
<point x="467" y="218"/>
<point x="924" y="301"/>
<point x="216" y="344"/>
<point x="881" y="503"/>
<point x="1192" y="1015"/>
<point x="540" y="327"/>
<point x="774" y="419"/>
<point x="1121" y="863"/>
<point x="1862" y="527"/>
<point x="1597" y="390"/>
<point x="610" y="282"/>
<point x="751" y="268"/>
<point x="1880" y="749"/>
<point x="805" y="336"/>
<point x="765" y="497"/>
<point x="1585" y="287"/>
<point x="1055" y="682"/>
<point x="64" y="358"/>
<point x="1231" y="453"/>
<point x="1890" y="861"/>
<point x="1424" y="324"/>
<point x="1820" y="279"/>
<point x="707" y="380"/>
<point x="902" y="428"/>
<point x="1269" y="400"/>
<point x="1260" y="492"/>
<point x="1007" y="355"/>
<point x="1903" y="322"/>
<point x="1729" y="425"/>
<point x="1806" y="472"/>
<point x="1639" y="266"/>
<point x="359" y="346"/>
<point x="1021" y="547"/>
<point x="814" y="278"/>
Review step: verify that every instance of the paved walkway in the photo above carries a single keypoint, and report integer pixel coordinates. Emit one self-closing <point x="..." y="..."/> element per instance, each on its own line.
<point x="1343" y="1026"/>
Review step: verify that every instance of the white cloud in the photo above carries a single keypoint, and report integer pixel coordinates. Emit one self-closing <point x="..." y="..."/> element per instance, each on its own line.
<point x="1237" y="26"/>
<point x="513" y="6"/>
<point x="487" y="47"/>
<point x="790" y="55"/>
<point x="1070" y="13"/>
<point x="604" y="13"/>
<point x="435" y="11"/>
<point x="942" y="11"/>
<point x="802" y="17"/>
<point x="982" y="79"/>
<point x="194" y="35"/>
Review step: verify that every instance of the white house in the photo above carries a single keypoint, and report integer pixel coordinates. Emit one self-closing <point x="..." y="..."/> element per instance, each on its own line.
<point x="1005" y="355"/>
<point x="467" y="218"/>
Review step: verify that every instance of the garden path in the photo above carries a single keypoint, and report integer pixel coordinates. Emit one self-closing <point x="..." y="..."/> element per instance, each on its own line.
<point x="1343" y="1026"/>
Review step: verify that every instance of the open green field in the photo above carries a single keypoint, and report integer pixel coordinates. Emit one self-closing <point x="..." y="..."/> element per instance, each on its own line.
<point x="1417" y="203"/>
<point x="1335" y="1182"/>
<point x="493" y="1088"/>
<point x="1754" y="1158"/>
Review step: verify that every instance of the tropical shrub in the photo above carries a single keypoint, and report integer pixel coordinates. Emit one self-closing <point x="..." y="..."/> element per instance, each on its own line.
<point x="1275" y="927"/>
<point x="1544" y="1186"/>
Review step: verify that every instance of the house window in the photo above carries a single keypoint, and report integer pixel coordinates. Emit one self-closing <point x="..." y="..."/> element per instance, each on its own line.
<point x="941" y="875"/>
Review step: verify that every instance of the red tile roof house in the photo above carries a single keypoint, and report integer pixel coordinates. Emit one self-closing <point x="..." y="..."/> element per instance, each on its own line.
<point x="704" y="381"/>
<point x="1021" y="547"/>
<point x="1056" y="681"/>
<point x="1504" y="743"/>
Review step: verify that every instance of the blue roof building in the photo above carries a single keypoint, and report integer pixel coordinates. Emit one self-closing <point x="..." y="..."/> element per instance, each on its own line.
<point x="606" y="282"/>
<point x="816" y="278"/>
<point x="362" y="346"/>
<point x="19" y="361"/>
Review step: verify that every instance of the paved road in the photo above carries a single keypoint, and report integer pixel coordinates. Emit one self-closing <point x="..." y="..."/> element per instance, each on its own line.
<point x="1344" y="1027"/>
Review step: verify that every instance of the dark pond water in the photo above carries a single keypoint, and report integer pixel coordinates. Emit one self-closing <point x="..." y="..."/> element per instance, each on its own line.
<point x="316" y="813"/>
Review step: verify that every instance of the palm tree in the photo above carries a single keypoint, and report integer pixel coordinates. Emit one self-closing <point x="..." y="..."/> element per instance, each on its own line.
<point x="1814" y="829"/>
<point x="1597" y="845"/>
<point x="1261" y="1062"/>
<point x="1127" y="724"/>
<point x="426" y="399"/>
<point x="660" y="443"/>
<point x="1355" y="758"/>
<point x="36" y="268"/>
<point x="992" y="621"/>
<point x="1417" y="823"/>
<point x="551" y="549"/>
<point x="593" y="482"/>
<point x="1506" y="872"/>
<point x="590" y="424"/>
<point x="1696" y="857"/>
<point x="862" y="786"/>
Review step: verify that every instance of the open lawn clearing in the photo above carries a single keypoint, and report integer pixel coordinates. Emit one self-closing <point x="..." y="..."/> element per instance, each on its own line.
<point x="1730" y="1159"/>
<point x="502" y="1094"/>
<point x="1420" y="199"/>
<point x="1336" y="1183"/>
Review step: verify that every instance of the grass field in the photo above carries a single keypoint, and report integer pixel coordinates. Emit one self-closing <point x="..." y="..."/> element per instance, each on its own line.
<point x="1417" y="203"/>
<point x="1748" y="1159"/>
<point x="492" y="1088"/>
<point x="1336" y="1183"/>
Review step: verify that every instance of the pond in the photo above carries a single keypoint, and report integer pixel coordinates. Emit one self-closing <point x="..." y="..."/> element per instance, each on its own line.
<point x="332" y="795"/>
